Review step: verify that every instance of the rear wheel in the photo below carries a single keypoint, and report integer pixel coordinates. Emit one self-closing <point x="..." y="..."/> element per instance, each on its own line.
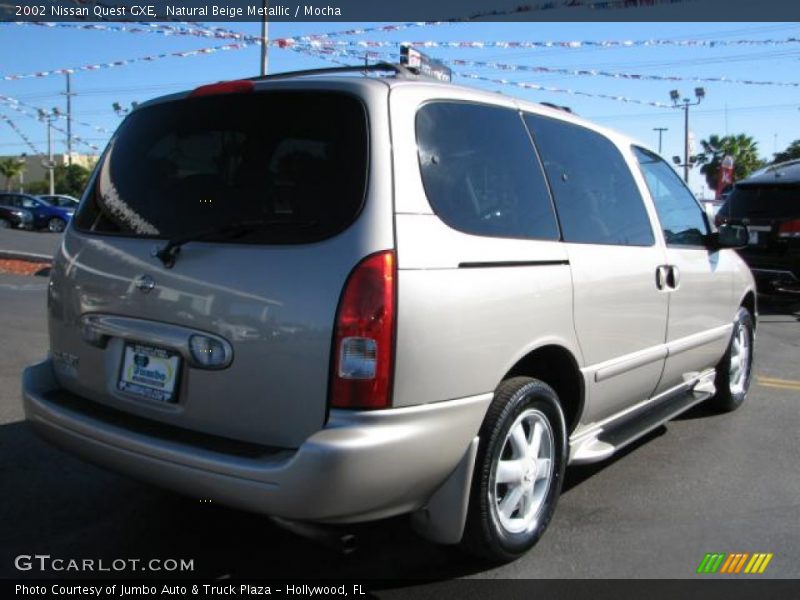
<point x="734" y="371"/>
<point x="518" y="471"/>
<point x="56" y="225"/>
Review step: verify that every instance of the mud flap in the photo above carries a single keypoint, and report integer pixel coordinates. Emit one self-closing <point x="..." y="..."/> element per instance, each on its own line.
<point x="442" y="519"/>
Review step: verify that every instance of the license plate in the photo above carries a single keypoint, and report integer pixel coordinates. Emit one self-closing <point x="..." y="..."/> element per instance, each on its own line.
<point x="752" y="237"/>
<point x="149" y="372"/>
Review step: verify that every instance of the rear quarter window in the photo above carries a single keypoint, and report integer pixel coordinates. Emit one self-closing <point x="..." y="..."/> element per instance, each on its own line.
<point x="297" y="160"/>
<point x="481" y="173"/>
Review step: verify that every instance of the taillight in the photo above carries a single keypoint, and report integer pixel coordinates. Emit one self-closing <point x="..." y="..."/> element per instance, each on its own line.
<point x="240" y="86"/>
<point x="789" y="229"/>
<point x="364" y="336"/>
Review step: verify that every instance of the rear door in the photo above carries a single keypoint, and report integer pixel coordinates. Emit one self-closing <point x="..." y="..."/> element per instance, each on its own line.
<point x="620" y="314"/>
<point x="295" y="162"/>
<point x="701" y="301"/>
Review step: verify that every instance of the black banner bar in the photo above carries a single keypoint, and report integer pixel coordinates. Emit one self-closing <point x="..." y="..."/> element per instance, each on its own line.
<point x="406" y="10"/>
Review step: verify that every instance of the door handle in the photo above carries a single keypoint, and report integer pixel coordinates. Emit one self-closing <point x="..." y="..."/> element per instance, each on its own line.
<point x="673" y="277"/>
<point x="661" y="276"/>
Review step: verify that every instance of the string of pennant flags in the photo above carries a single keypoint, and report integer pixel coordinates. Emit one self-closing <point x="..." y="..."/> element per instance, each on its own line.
<point x="17" y="106"/>
<point x="323" y="48"/>
<point x="569" y="44"/>
<point x="327" y="53"/>
<point x="331" y="38"/>
<point x="612" y="74"/>
<point x="20" y="133"/>
<point x="9" y="100"/>
<point x="223" y="33"/>
<point x="558" y="90"/>
<point x="125" y="62"/>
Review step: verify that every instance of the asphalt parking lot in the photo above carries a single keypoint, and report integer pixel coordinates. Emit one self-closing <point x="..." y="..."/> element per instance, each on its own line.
<point x="702" y="483"/>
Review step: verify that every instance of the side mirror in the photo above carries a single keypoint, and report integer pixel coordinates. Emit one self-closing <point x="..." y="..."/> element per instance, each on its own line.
<point x="731" y="236"/>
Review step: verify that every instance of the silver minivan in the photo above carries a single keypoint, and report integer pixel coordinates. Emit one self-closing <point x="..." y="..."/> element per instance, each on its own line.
<point x="333" y="299"/>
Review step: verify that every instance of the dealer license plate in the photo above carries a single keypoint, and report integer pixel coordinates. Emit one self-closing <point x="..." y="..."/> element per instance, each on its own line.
<point x="149" y="372"/>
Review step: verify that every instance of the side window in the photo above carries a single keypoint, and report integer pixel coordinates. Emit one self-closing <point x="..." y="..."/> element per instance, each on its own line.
<point x="481" y="173"/>
<point x="8" y="200"/>
<point x="681" y="217"/>
<point x="594" y="191"/>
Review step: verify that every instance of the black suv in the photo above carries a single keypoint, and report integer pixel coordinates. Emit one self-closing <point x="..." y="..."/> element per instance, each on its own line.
<point x="768" y="202"/>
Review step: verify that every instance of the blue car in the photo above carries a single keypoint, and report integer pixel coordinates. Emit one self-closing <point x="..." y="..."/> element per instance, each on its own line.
<point x="45" y="215"/>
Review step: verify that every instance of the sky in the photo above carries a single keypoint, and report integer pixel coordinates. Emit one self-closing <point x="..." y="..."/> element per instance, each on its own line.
<point x="770" y="114"/>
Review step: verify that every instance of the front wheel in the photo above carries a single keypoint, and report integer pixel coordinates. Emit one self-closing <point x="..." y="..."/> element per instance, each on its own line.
<point x="518" y="471"/>
<point x="56" y="225"/>
<point x="734" y="371"/>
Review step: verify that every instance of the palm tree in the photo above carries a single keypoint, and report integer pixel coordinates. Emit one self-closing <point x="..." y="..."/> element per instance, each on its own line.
<point x="11" y="168"/>
<point x="792" y="152"/>
<point x="741" y="147"/>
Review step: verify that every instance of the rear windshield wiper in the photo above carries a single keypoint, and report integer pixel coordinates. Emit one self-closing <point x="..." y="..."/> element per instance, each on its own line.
<point x="169" y="251"/>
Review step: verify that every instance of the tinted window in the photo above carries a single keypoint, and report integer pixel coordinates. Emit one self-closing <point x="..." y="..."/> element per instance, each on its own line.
<point x="679" y="213"/>
<point x="20" y="201"/>
<point x="297" y="160"/>
<point x="595" y="194"/>
<point x="764" y="202"/>
<point x="481" y="173"/>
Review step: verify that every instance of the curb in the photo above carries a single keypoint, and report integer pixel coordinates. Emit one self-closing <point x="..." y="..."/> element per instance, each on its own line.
<point x="29" y="256"/>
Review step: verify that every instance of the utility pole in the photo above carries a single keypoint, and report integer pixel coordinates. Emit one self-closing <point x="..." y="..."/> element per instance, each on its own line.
<point x="660" y="131"/>
<point x="69" y="96"/>
<point x="50" y="161"/>
<point x="675" y="96"/>
<point x="49" y="164"/>
<point x="265" y="40"/>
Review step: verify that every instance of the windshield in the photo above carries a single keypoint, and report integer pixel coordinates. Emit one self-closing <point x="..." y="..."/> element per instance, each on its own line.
<point x="193" y="164"/>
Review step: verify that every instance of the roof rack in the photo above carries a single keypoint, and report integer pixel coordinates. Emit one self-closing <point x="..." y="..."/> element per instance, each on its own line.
<point x="558" y="107"/>
<point x="398" y="70"/>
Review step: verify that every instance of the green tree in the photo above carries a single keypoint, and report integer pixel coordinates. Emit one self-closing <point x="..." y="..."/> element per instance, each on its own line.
<point x="741" y="147"/>
<point x="71" y="179"/>
<point x="11" y="168"/>
<point x="792" y="152"/>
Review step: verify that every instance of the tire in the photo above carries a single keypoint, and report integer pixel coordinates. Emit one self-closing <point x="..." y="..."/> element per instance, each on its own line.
<point x="523" y="405"/>
<point x="56" y="225"/>
<point x="5" y="224"/>
<point x="734" y="371"/>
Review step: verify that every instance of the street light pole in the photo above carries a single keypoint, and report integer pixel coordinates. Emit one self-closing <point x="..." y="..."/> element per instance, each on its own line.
<point x="660" y="131"/>
<point x="675" y="96"/>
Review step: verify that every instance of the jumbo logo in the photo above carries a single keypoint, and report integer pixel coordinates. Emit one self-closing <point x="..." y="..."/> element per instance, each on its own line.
<point x="720" y="562"/>
<point x="159" y="371"/>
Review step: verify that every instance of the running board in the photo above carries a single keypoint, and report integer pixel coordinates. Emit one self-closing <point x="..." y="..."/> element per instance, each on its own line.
<point x="606" y="440"/>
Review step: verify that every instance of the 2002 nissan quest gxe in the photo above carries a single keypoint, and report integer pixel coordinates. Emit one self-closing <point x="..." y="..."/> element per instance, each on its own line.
<point x="333" y="299"/>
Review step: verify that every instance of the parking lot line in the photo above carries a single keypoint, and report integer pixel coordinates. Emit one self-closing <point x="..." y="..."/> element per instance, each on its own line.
<point x="784" y="384"/>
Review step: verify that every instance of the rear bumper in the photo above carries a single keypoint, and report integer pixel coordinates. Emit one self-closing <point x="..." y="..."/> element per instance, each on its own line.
<point x="362" y="465"/>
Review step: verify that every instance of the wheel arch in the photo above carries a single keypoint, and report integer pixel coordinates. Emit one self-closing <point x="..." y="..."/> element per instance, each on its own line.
<point x="556" y="366"/>
<point x="750" y="303"/>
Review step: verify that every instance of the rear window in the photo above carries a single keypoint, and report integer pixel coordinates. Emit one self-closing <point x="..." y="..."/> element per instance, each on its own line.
<point x="296" y="161"/>
<point x="763" y="202"/>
